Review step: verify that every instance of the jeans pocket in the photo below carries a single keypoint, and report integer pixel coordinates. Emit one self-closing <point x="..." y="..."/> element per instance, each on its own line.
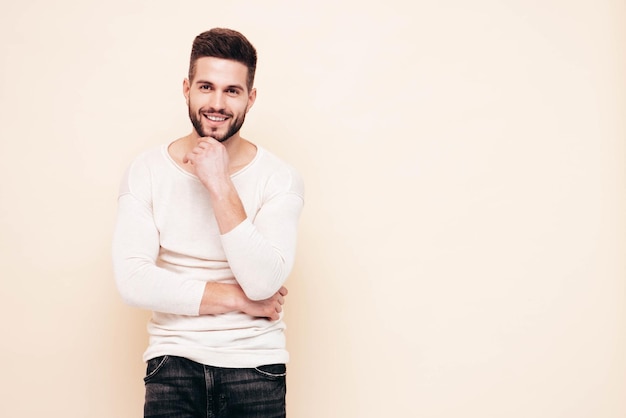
<point x="272" y="371"/>
<point x="153" y="366"/>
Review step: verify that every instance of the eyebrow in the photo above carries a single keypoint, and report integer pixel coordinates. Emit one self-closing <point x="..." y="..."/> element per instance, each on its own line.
<point x="232" y="86"/>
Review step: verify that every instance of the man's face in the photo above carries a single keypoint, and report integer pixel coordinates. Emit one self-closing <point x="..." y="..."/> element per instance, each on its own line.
<point x="218" y="97"/>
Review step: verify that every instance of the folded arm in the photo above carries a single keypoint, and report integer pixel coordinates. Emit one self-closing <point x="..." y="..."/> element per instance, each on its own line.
<point x="142" y="283"/>
<point x="260" y="253"/>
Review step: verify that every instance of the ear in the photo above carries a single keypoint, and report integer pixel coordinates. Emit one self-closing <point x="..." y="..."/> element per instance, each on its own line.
<point x="186" y="88"/>
<point x="251" y="99"/>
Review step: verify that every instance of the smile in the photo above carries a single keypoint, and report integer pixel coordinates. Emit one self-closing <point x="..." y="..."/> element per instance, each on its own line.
<point x="215" y="118"/>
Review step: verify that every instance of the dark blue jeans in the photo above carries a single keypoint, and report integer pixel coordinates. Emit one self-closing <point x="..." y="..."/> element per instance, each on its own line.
<point x="181" y="388"/>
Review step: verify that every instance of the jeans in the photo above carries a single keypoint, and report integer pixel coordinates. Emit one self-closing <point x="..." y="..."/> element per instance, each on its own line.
<point x="180" y="388"/>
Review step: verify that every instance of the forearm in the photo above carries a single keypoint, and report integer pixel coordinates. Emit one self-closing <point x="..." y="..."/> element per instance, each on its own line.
<point x="144" y="285"/>
<point x="210" y="162"/>
<point x="140" y="281"/>
<point x="227" y="207"/>
<point x="221" y="298"/>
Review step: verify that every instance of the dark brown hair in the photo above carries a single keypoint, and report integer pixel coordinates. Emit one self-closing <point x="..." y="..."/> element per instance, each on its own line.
<point x="227" y="44"/>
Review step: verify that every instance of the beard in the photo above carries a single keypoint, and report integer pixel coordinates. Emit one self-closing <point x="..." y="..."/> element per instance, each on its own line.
<point x="235" y="126"/>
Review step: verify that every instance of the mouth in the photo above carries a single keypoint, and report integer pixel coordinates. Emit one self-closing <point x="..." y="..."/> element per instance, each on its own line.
<point x="215" y="118"/>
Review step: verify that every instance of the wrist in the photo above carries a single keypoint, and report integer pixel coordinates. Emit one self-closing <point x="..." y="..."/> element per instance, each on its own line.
<point x="237" y="299"/>
<point x="218" y="186"/>
<point x="221" y="298"/>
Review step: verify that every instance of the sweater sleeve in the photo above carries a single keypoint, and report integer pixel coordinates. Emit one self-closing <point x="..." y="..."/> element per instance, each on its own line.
<point x="135" y="249"/>
<point x="261" y="252"/>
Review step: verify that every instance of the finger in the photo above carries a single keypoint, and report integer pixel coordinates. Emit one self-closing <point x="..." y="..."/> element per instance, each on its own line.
<point x="283" y="291"/>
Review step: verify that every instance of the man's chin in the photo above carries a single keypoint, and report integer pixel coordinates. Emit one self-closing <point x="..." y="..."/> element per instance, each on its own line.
<point x="209" y="134"/>
<point x="219" y="138"/>
<point x="220" y="135"/>
<point x="225" y="136"/>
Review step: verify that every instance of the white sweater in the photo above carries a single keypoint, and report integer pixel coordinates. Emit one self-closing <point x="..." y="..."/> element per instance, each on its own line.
<point x="167" y="245"/>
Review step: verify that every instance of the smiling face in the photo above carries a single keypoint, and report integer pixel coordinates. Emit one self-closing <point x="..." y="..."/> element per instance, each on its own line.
<point x="218" y="97"/>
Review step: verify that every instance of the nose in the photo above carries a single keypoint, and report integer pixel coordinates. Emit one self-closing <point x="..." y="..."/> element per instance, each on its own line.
<point x="217" y="100"/>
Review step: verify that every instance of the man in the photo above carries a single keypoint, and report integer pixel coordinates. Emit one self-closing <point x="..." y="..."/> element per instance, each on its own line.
<point x="205" y="238"/>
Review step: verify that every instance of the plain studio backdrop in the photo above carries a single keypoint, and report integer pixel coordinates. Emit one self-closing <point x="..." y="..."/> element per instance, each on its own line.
<point x="461" y="251"/>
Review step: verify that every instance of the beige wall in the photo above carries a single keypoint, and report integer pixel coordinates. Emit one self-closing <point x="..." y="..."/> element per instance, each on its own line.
<point x="462" y="245"/>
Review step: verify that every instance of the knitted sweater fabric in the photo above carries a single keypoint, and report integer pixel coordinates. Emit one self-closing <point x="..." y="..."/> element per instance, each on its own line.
<point x="167" y="245"/>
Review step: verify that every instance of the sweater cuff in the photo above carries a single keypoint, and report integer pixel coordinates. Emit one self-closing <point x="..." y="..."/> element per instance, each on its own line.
<point x="242" y="231"/>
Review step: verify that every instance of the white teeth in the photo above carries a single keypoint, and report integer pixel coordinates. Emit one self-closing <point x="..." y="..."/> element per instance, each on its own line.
<point x="216" y="119"/>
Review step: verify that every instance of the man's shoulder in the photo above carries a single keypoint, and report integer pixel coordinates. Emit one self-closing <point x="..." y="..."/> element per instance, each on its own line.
<point x="145" y="165"/>
<point x="150" y="155"/>
<point x="273" y="162"/>
<point x="279" y="172"/>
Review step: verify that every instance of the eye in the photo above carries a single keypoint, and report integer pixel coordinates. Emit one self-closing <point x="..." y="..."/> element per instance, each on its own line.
<point x="232" y="92"/>
<point x="205" y="87"/>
